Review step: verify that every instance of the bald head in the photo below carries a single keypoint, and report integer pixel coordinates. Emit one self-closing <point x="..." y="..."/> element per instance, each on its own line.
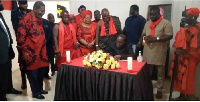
<point x="121" y="40"/>
<point x="105" y="15"/>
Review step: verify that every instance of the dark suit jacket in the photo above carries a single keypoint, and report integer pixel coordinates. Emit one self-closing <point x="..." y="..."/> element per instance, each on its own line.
<point x="6" y="52"/>
<point x="48" y="29"/>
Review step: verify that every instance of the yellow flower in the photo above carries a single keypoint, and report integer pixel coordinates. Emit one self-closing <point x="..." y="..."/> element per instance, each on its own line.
<point x="108" y="62"/>
<point x="112" y="59"/>
<point x="104" y="55"/>
<point x="105" y="66"/>
<point x="102" y="59"/>
<point x="84" y="62"/>
<point x="85" y="58"/>
<point x="93" y="64"/>
<point x="89" y="64"/>
<point x="117" y="65"/>
<point x="95" y="57"/>
<point x="98" y="66"/>
<point x="100" y="51"/>
<point x="113" y="66"/>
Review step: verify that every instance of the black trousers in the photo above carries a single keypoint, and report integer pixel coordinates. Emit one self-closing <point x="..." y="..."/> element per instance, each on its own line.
<point x="4" y="71"/>
<point x="10" y="82"/>
<point x="23" y="73"/>
<point x="35" y="78"/>
<point x="53" y="68"/>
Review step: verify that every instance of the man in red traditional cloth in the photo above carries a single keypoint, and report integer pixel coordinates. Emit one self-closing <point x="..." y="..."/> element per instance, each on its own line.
<point x="106" y="31"/>
<point x="187" y="46"/>
<point x="79" y="18"/>
<point x="65" y="39"/>
<point x="157" y="33"/>
<point x="31" y="42"/>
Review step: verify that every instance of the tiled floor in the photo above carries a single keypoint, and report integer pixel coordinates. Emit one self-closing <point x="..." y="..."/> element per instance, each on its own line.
<point x="49" y="85"/>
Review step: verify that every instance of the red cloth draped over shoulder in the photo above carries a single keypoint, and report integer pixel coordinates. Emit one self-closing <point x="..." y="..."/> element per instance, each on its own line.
<point x="187" y="39"/>
<point x="66" y="41"/>
<point x="112" y="29"/>
<point x="153" y="25"/>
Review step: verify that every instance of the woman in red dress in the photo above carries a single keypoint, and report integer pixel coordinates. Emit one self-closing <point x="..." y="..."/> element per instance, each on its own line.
<point x="86" y="33"/>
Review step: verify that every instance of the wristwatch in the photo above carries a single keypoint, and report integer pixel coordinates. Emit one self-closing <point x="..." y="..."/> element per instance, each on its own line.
<point x="158" y="38"/>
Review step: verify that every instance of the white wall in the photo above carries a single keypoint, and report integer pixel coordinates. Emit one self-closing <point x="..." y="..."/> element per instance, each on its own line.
<point x="51" y="7"/>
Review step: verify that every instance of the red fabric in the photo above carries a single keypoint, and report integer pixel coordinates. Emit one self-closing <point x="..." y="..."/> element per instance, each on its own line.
<point x="153" y="25"/>
<point x="187" y="63"/>
<point x="31" y="40"/>
<point x="7" y="4"/>
<point x="79" y="19"/>
<point x="75" y="26"/>
<point x="71" y="15"/>
<point x="112" y="29"/>
<point x="66" y="41"/>
<point x="88" y="34"/>
<point x="193" y="11"/>
<point x="84" y="13"/>
<point x="123" y="65"/>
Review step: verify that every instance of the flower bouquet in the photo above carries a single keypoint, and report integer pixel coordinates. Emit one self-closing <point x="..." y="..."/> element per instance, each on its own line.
<point x="100" y="60"/>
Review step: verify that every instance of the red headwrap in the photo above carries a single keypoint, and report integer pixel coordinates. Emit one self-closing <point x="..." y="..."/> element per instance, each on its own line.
<point x="193" y="11"/>
<point x="63" y="12"/>
<point x="84" y="13"/>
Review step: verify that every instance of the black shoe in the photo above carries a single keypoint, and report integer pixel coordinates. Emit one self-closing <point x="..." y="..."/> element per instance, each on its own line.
<point x="47" y="77"/>
<point x="44" y="92"/>
<point x="3" y="99"/>
<point x="39" y="96"/>
<point x="23" y="86"/>
<point x="53" y="73"/>
<point x="159" y="95"/>
<point x="14" y="91"/>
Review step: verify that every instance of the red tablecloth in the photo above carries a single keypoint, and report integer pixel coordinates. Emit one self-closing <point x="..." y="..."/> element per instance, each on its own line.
<point x="137" y="66"/>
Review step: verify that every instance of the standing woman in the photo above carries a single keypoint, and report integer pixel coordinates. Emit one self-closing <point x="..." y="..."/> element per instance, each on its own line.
<point x="86" y="33"/>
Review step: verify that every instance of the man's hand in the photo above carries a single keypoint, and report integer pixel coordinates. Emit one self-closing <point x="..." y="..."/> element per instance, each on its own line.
<point x="76" y="45"/>
<point x="90" y="45"/>
<point x="117" y="57"/>
<point x="180" y="51"/>
<point x="149" y="39"/>
<point x="58" y="55"/>
<point x="25" y="56"/>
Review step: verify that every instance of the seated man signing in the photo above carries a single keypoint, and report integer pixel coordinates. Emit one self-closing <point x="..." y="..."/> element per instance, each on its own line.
<point x="120" y="49"/>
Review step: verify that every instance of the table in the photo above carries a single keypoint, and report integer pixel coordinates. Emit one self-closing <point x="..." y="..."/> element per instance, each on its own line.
<point x="77" y="82"/>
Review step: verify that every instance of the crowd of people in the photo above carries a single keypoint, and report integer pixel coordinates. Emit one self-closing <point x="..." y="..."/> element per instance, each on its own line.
<point x="39" y="41"/>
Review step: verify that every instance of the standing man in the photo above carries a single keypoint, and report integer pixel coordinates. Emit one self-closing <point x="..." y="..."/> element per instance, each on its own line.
<point x="133" y="28"/>
<point x="15" y="16"/>
<point x="31" y="42"/>
<point x="65" y="39"/>
<point x="48" y="29"/>
<point x="6" y="54"/>
<point x="187" y="47"/>
<point x="157" y="32"/>
<point x="107" y="30"/>
<point x="79" y="18"/>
